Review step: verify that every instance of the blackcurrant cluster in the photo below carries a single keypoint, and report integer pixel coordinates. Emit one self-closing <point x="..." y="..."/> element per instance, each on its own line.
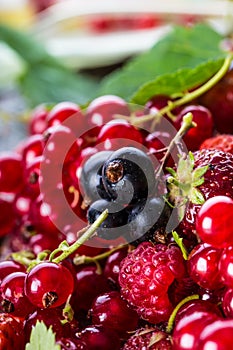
<point x="124" y="182"/>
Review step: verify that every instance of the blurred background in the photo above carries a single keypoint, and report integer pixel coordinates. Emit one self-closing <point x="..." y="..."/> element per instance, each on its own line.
<point x="47" y="46"/>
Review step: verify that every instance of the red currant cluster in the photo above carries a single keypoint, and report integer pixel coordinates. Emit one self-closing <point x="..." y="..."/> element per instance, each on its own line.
<point x="135" y="283"/>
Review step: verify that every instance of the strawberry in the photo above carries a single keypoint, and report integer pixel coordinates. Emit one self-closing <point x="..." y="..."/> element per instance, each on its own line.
<point x="199" y="176"/>
<point x="223" y="142"/>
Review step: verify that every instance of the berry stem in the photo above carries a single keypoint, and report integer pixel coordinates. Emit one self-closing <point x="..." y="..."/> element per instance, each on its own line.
<point x="186" y="125"/>
<point x="81" y="240"/>
<point x="83" y="259"/>
<point x="189" y="96"/>
<point x="176" y="309"/>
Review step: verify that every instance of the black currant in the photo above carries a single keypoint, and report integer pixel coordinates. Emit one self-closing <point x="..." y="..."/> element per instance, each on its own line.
<point x="111" y="228"/>
<point x="91" y="177"/>
<point x="128" y="176"/>
<point x="147" y="221"/>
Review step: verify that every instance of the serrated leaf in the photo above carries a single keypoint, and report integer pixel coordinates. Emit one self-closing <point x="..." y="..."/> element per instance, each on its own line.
<point x="178" y="82"/>
<point x="199" y="172"/>
<point x="185" y="48"/>
<point x="196" y="196"/>
<point x="42" y="338"/>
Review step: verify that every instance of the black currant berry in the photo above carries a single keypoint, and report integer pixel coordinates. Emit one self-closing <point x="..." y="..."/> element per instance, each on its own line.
<point x="147" y="221"/>
<point x="91" y="177"/>
<point x="128" y="176"/>
<point x="111" y="228"/>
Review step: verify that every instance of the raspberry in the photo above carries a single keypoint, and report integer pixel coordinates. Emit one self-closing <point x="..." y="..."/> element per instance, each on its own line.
<point x="217" y="181"/>
<point x="145" y="276"/>
<point x="152" y="339"/>
<point x="223" y="142"/>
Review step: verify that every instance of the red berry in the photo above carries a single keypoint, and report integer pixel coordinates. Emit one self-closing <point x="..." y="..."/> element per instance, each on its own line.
<point x="145" y="276"/>
<point x="38" y="123"/>
<point x="14" y="300"/>
<point x="11" y="333"/>
<point x="11" y="172"/>
<point x="203" y="266"/>
<point x="225" y="266"/>
<point x="227" y="303"/>
<point x="220" y="102"/>
<point x="49" y="285"/>
<point x="61" y="112"/>
<point x="217" y="335"/>
<point x="97" y="337"/>
<point x="222" y="142"/>
<point x="204" y="126"/>
<point x="107" y="309"/>
<point x="214" y="223"/>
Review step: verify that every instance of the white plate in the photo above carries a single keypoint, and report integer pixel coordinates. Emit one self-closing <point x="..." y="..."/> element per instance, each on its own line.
<point x="82" y="49"/>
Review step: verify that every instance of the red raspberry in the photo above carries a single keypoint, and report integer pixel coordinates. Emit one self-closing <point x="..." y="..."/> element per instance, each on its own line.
<point x="150" y="338"/>
<point x="145" y="276"/>
<point x="223" y="142"/>
<point x="217" y="181"/>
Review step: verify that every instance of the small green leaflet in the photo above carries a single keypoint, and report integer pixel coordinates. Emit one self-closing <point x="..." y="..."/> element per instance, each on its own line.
<point x="182" y="50"/>
<point x="42" y="338"/>
<point x="179" y="242"/>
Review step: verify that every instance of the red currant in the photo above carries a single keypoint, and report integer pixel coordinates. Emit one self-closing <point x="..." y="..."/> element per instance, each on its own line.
<point x="214" y="223"/>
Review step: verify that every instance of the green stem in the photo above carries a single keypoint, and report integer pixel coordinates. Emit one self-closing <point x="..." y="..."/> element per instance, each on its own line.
<point x="176" y="309"/>
<point x="81" y="240"/>
<point x="83" y="259"/>
<point x="186" y="125"/>
<point x="190" y="96"/>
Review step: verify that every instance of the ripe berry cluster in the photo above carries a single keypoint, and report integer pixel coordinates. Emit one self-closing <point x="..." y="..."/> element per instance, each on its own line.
<point x="134" y="284"/>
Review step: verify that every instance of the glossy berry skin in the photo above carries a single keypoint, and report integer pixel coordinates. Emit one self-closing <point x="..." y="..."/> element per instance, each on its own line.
<point x="218" y="181"/>
<point x="112" y="265"/>
<point x="51" y="317"/>
<point x="217" y="335"/>
<point x="38" y="123"/>
<point x="219" y="101"/>
<point x="147" y="221"/>
<point x="97" y="337"/>
<point x="14" y="300"/>
<point x="214" y="222"/>
<point x="62" y="111"/>
<point x="71" y="344"/>
<point x="9" y="266"/>
<point x="113" y="225"/>
<point x="11" y="172"/>
<point x="7" y="218"/>
<point x="204" y="126"/>
<point x="128" y="175"/>
<point x="119" y="133"/>
<point x="222" y="142"/>
<point x="186" y="334"/>
<point x="111" y="311"/>
<point x="225" y="266"/>
<point x="102" y="109"/>
<point x="148" y="338"/>
<point x="33" y="147"/>
<point x="11" y="333"/>
<point x="145" y="276"/>
<point x="227" y="303"/>
<point x="48" y="285"/>
<point x="203" y="266"/>
<point x="91" y="185"/>
<point x="89" y="283"/>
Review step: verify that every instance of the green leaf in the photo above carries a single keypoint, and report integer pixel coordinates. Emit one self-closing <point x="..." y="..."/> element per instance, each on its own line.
<point x="182" y="49"/>
<point x="179" y="242"/>
<point x="178" y="82"/>
<point x="199" y="172"/>
<point x="42" y="338"/>
<point x="45" y="79"/>
<point x="196" y="196"/>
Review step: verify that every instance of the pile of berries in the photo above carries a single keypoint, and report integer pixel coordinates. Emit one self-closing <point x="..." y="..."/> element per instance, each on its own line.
<point x="113" y="235"/>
